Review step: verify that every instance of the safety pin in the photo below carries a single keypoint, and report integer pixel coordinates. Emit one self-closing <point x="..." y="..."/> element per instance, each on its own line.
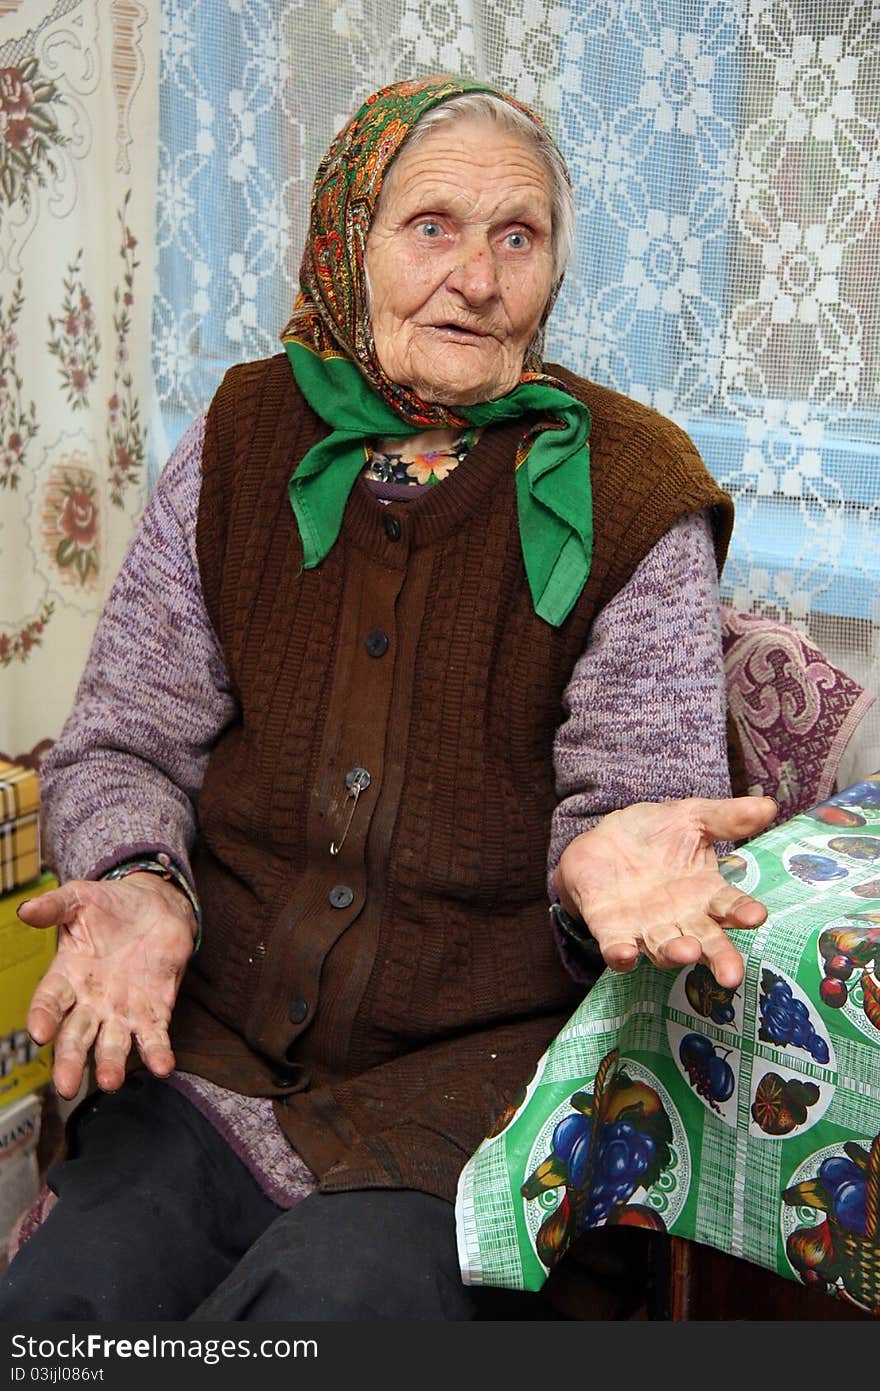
<point x="357" y="780"/>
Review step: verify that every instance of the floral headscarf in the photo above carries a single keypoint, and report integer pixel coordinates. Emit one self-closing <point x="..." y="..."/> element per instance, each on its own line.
<point x="329" y="343"/>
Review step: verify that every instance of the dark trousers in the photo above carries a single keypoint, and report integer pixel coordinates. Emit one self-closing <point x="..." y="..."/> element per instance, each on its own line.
<point x="158" y="1219"/>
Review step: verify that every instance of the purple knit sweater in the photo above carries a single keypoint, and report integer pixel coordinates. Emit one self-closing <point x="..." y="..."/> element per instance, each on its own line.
<point x="644" y="720"/>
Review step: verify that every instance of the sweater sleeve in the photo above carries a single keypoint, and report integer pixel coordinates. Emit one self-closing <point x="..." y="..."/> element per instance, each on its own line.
<point x="124" y="777"/>
<point x="645" y="709"/>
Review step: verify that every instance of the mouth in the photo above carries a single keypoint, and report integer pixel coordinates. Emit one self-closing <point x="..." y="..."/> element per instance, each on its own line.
<point x="458" y="333"/>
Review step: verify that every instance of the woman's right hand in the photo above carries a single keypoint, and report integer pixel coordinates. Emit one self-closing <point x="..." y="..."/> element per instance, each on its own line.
<point x="123" y="946"/>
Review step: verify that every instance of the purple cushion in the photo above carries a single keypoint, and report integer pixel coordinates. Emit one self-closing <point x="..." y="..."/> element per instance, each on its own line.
<point x="794" y="710"/>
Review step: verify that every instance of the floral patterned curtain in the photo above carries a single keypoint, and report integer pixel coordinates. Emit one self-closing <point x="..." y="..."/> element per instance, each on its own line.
<point x="78" y="119"/>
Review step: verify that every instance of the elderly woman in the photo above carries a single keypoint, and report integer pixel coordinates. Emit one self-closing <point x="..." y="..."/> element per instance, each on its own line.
<point x="405" y="610"/>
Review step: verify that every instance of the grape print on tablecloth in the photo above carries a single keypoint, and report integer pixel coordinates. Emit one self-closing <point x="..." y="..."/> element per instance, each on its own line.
<point x="831" y="1222"/>
<point x="786" y="1019"/>
<point x="615" y="1156"/>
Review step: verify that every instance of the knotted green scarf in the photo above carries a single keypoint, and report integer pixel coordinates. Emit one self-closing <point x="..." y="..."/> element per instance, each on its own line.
<point x="331" y="352"/>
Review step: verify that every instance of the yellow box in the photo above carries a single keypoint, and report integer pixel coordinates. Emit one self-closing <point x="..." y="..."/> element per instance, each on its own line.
<point x="19" y="825"/>
<point x="25" y="955"/>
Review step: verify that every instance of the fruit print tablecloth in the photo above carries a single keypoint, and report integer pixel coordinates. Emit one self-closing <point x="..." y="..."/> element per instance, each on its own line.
<point x="748" y="1120"/>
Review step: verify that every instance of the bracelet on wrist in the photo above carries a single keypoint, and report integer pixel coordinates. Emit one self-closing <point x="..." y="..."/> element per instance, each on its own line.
<point x="162" y="865"/>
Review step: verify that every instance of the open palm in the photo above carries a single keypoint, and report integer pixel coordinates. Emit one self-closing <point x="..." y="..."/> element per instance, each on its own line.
<point x="122" y="949"/>
<point x="646" y="880"/>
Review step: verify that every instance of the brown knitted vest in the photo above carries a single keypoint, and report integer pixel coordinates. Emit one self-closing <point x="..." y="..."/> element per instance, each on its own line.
<point x="395" y="995"/>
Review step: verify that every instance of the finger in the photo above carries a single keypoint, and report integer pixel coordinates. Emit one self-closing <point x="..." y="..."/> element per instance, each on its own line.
<point x="734" y="818"/>
<point x="112" y="1047"/>
<point x="671" y="946"/>
<point x="730" y="905"/>
<point x="622" y="956"/>
<point x="696" y="939"/>
<point x="50" y="1003"/>
<point x="618" y="945"/>
<point x="58" y="905"/>
<point x="151" y="1014"/>
<point x="724" y="961"/>
<point x="152" y="1038"/>
<point x="75" y="1038"/>
<point x="154" y="1046"/>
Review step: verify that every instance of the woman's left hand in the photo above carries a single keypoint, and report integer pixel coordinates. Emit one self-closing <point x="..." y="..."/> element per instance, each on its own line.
<point x="646" y="880"/>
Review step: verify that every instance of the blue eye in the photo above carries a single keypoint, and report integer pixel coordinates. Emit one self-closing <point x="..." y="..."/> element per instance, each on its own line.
<point x="517" y="241"/>
<point x="430" y="229"/>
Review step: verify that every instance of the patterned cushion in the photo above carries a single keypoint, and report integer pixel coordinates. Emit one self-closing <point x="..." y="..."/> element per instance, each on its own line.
<point x="29" y="1221"/>
<point x="794" y="710"/>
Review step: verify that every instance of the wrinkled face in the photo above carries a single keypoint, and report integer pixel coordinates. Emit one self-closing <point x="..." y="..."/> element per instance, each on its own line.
<point x="460" y="262"/>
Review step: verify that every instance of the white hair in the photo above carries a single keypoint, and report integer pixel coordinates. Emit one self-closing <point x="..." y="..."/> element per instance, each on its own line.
<point x="487" y="106"/>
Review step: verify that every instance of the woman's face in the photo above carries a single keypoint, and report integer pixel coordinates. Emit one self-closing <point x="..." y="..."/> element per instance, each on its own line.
<point x="460" y="262"/>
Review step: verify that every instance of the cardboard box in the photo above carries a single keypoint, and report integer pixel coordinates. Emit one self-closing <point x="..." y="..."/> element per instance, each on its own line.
<point x="19" y="825"/>
<point x="19" y="1171"/>
<point x="25" y="955"/>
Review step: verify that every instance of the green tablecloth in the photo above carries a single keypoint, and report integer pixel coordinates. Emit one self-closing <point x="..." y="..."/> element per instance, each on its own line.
<point x="748" y="1121"/>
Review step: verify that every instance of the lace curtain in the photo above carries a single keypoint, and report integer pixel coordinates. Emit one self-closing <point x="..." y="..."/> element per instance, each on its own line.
<point x="78" y="113"/>
<point x="726" y="165"/>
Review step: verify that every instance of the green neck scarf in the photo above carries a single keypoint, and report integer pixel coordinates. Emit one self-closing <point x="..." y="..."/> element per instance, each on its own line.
<point x="332" y="354"/>
<point x="553" y="494"/>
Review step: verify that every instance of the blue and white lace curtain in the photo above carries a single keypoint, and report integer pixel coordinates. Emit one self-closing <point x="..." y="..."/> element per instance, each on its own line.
<point x="726" y="159"/>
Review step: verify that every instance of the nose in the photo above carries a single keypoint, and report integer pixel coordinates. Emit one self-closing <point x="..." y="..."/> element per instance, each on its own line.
<point x="474" y="275"/>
